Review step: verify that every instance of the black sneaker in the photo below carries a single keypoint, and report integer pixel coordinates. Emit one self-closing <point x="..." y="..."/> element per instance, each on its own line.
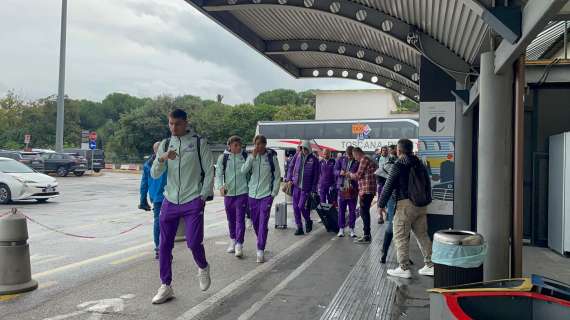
<point x="299" y="232"/>
<point x="363" y="240"/>
<point x="156" y="254"/>
<point x="309" y="226"/>
<point x="383" y="260"/>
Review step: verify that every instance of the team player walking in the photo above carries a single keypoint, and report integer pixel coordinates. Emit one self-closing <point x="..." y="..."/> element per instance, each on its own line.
<point x="183" y="167"/>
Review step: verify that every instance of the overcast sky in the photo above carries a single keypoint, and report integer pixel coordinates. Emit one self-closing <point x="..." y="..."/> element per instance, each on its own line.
<point x="140" y="47"/>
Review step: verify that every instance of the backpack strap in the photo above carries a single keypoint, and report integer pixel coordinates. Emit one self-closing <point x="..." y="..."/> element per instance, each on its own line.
<point x="202" y="173"/>
<point x="270" y="154"/>
<point x="165" y="145"/>
<point x="224" y="165"/>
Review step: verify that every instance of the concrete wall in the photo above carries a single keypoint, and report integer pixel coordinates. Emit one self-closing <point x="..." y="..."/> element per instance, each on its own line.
<point x="356" y="104"/>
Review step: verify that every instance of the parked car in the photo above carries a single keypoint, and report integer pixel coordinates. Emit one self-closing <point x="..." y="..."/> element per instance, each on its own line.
<point x="63" y="164"/>
<point x="20" y="182"/>
<point x="98" y="156"/>
<point x="31" y="159"/>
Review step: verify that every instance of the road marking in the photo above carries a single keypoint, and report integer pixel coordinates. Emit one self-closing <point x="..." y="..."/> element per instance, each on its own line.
<point x="54" y="258"/>
<point x="47" y="284"/>
<point x="127" y="259"/>
<point x="8" y="297"/>
<point x="91" y="260"/>
<point x="215" y="299"/>
<point x="259" y="304"/>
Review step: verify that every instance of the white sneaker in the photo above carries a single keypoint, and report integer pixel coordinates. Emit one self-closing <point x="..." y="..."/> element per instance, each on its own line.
<point x="340" y="233"/>
<point x="399" y="272"/>
<point x="232" y="247"/>
<point x="426" y="271"/>
<point x="239" y="250"/>
<point x="204" y="275"/>
<point x="352" y="233"/>
<point x="260" y="256"/>
<point x="164" y="293"/>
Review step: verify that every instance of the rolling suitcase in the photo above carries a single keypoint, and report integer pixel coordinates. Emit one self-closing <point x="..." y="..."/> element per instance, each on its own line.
<point x="329" y="215"/>
<point x="281" y="215"/>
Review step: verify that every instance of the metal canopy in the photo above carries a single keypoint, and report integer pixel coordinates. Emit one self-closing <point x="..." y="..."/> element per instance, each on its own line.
<point x="369" y="39"/>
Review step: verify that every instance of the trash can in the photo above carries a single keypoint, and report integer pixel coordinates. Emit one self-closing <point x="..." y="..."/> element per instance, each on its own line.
<point x="458" y="257"/>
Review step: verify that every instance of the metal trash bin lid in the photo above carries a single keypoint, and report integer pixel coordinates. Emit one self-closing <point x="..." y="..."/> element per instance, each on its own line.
<point x="458" y="237"/>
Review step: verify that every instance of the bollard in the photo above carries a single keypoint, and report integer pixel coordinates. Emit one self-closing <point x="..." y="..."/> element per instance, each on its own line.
<point x="181" y="231"/>
<point x="15" y="269"/>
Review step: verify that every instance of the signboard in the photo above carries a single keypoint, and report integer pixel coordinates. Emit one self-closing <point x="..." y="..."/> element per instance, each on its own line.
<point x="27" y="138"/>
<point x="92" y="144"/>
<point x="436" y="149"/>
<point x="358" y="128"/>
<point x="93" y="135"/>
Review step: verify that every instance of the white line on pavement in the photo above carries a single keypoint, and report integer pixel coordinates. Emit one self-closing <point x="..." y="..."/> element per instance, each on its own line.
<point x="257" y="306"/>
<point x="88" y="261"/>
<point x="228" y="290"/>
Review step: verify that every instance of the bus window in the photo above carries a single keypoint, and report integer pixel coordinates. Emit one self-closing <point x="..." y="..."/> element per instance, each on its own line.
<point x="375" y="130"/>
<point x="273" y="131"/>
<point x="409" y="131"/>
<point x="314" y="131"/>
<point x="339" y="131"/>
<point x="391" y="130"/>
<point x="294" y="131"/>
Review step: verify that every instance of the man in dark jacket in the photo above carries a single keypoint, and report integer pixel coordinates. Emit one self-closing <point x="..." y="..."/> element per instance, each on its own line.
<point x="408" y="217"/>
<point x="155" y="189"/>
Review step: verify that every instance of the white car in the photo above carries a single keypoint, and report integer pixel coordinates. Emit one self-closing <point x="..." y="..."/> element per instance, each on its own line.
<point x="20" y="182"/>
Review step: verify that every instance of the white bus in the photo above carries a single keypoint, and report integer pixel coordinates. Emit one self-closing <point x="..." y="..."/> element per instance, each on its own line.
<point x="336" y="135"/>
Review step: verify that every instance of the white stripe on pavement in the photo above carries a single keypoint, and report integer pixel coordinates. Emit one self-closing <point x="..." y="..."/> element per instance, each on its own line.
<point x="228" y="290"/>
<point x="259" y="304"/>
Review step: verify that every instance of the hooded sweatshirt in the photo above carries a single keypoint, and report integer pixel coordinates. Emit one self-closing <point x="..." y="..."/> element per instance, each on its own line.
<point x="235" y="181"/>
<point x="184" y="183"/>
<point x="260" y="182"/>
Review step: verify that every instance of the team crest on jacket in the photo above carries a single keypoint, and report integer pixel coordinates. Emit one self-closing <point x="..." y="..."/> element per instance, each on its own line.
<point x="190" y="148"/>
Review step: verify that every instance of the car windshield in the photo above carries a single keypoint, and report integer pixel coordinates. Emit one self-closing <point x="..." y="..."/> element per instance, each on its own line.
<point x="12" y="166"/>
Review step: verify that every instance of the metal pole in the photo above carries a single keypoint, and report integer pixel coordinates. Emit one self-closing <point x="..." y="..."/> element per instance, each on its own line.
<point x="61" y="86"/>
<point x="463" y="167"/>
<point x="518" y="170"/>
<point x="495" y="166"/>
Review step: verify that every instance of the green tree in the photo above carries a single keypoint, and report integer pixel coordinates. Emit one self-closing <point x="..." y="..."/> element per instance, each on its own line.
<point x="408" y="105"/>
<point x="278" y="97"/>
<point x="291" y="112"/>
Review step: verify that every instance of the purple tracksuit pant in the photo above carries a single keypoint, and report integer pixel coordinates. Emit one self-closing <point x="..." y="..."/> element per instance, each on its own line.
<point x="235" y="211"/>
<point x="325" y="194"/>
<point x="342" y="204"/>
<point x="260" y="210"/>
<point x="170" y="214"/>
<point x="300" y="206"/>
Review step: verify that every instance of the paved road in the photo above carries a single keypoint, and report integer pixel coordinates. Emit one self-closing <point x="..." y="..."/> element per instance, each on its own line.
<point x="102" y="206"/>
<point x="115" y="276"/>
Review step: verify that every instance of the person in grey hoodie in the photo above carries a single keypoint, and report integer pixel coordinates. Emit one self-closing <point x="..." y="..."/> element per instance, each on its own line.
<point x="189" y="184"/>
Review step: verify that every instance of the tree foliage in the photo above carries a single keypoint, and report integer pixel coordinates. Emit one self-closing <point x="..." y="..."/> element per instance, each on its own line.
<point x="127" y="126"/>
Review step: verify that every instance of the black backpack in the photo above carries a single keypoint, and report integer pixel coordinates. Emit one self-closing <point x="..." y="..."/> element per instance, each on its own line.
<point x="419" y="186"/>
<point x="202" y="173"/>
<point x="225" y="162"/>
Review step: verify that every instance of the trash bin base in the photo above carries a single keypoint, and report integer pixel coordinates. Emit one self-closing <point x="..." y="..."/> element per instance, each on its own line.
<point x="18" y="288"/>
<point x="446" y="276"/>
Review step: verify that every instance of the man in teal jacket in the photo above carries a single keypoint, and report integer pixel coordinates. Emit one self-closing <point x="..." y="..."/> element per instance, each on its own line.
<point x="264" y="183"/>
<point x="189" y="184"/>
<point x="232" y="183"/>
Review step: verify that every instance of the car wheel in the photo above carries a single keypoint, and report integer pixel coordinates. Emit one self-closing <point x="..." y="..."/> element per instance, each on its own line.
<point x="42" y="200"/>
<point x="97" y="170"/>
<point x="79" y="173"/>
<point x="62" y="171"/>
<point x="5" y="194"/>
